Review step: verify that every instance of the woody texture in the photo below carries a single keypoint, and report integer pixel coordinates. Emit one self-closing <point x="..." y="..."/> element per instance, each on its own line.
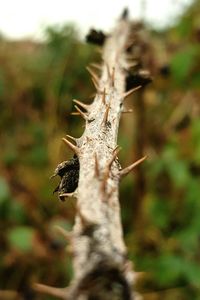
<point x="102" y="270"/>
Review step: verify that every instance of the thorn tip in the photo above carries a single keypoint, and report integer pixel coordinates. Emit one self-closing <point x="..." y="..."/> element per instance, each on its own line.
<point x="83" y="115"/>
<point x="128" y="169"/>
<point x="71" y="146"/>
<point x="126" y="94"/>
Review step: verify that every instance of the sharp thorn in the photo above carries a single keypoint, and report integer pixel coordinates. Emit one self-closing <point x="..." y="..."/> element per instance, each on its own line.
<point x="128" y="169"/>
<point x="116" y="148"/>
<point x="108" y="70"/>
<point x="132" y="64"/>
<point x="67" y="195"/>
<point x="52" y="176"/>
<point x="97" y="66"/>
<point x="127" y="111"/>
<point x="75" y="113"/>
<point x="71" y="146"/>
<point x="106" y="175"/>
<point x="95" y="84"/>
<point x="113" y="77"/>
<point x="104" y="96"/>
<point x="96" y="165"/>
<point x="105" y="118"/>
<point x="115" y="153"/>
<point x="71" y="137"/>
<point x="50" y="290"/>
<point x="93" y="74"/>
<point x="125" y="95"/>
<point x="83" y="115"/>
<point x="85" y="106"/>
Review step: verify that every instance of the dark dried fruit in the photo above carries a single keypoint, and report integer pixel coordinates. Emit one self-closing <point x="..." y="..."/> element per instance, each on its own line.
<point x="69" y="173"/>
<point x="138" y="78"/>
<point x="96" y="37"/>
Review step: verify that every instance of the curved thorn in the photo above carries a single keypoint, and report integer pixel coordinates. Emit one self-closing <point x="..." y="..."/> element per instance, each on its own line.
<point x="128" y="169"/>
<point x="85" y="106"/>
<point x="50" y="290"/>
<point x="125" y="95"/>
<point x="83" y="115"/>
<point x="97" y="66"/>
<point x="71" y="146"/>
<point x="93" y="74"/>
<point x="71" y="137"/>
<point x="95" y="84"/>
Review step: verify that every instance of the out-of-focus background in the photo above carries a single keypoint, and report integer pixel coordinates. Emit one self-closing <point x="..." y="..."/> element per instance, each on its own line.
<point x="42" y="68"/>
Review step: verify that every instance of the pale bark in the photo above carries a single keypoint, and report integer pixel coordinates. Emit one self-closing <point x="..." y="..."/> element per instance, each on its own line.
<point x="101" y="268"/>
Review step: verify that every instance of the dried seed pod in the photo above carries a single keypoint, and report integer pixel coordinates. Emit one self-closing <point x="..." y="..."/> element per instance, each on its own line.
<point x="137" y="78"/>
<point x="96" y="37"/>
<point x="69" y="173"/>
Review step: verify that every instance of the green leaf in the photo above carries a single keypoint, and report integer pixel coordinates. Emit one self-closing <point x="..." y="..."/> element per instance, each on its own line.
<point x="21" y="238"/>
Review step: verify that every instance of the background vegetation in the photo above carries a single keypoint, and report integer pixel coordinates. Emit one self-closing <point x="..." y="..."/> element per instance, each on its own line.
<point x="160" y="200"/>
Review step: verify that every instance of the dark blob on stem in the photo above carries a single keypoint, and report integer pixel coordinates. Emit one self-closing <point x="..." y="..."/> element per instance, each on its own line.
<point x="96" y="37"/>
<point x="137" y="78"/>
<point x="69" y="174"/>
<point x="125" y="14"/>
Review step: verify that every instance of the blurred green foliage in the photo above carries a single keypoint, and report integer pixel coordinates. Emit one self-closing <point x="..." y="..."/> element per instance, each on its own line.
<point x="160" y="200"/>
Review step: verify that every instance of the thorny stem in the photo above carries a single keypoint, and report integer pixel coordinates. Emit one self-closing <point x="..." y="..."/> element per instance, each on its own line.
<point x="101" y="268"/>
<point x="104" y="245"/>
